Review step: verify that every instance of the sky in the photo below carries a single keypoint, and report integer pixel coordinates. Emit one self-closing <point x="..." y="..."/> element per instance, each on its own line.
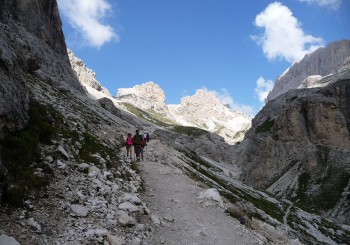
<point x="234" y="48"/>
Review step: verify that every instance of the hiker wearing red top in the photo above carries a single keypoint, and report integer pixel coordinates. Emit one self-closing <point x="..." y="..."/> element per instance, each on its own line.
<point x="128" y="144"/>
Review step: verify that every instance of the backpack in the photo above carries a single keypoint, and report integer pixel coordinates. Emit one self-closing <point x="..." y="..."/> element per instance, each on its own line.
<point x="143" y="142"/>
<point x="137" y="139"/>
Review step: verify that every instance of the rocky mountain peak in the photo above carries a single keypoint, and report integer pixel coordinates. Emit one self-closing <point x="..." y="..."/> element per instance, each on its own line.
<point x="85" y="75"/>
<point x="149" y="91"/>
<point x="323" y="62"/>
<point x="204" y="99"/>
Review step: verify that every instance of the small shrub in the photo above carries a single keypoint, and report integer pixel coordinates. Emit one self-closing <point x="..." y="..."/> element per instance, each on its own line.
<point x="20" y="150"/>
<point x="265" y="127"/>
<point x="91" y="145"/>
<point x="192" y="132"/>
<point x="135" y="167"/>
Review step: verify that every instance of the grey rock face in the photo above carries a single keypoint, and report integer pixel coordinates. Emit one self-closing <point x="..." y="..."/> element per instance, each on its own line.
<point x="85" y="75"/>
<point x="323" y="61"/>
<point x="40" y="17"/>
<point x="32" y="47"/>
<point x="299" y="148"/>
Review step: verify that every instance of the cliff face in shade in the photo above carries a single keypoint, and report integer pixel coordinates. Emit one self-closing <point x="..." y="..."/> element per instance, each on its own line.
<point x="32" y="47"/>
<point x="299" y="147"/>
<point x="323" y="62"/>
<point x="39" y="17"/>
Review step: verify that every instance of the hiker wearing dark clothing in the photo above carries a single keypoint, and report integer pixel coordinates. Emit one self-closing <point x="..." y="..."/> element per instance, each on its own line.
<point x="143" y="144"/>
<point x="137" y="140"/>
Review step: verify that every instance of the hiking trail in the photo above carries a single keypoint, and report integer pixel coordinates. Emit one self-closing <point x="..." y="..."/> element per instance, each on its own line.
<point x="181" y="218"/>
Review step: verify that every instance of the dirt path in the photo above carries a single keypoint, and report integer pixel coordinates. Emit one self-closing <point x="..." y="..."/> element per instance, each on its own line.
<point x="172" y="196"/>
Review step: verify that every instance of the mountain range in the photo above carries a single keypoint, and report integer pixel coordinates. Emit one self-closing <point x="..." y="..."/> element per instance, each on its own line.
<point x="64" y="178"/>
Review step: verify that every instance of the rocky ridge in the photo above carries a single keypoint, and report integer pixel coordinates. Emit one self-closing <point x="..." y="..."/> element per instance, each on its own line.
<point x="86" y="76"/>
<point x="299" y="147"/>
<point x="206" y="111"/>
<point x="322" y="62"/>
<point x="203" y="110"/>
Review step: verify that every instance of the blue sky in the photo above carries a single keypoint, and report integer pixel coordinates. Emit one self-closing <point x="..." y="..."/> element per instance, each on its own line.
<point x="235" y="48"/>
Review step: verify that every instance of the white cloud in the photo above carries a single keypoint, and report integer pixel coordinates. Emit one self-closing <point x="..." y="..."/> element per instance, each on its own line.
<point x="87" y="17"/>
<point x="333" y="4"/>
<point x="263" y="88"/>
<point x="283" y="37"/>
<point x="226" y="98"/>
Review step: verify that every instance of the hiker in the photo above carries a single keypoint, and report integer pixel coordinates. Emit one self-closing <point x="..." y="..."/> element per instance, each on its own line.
<point x="143" y="144"/>
<point x="137" y="139"/>
<point x="128" y="144"/>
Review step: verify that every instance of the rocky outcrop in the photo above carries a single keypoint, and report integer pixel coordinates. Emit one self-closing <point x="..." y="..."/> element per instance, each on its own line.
<point x="147" y="96"/>
<point x="203" y="110"/>
<point x="39" y="17"/>
<point x="86" y="76"/>
<point x="32" y="47"/>
<point x="206" y="111"/>
<point x="299" y="147"/>
<point x="323" y="61"/>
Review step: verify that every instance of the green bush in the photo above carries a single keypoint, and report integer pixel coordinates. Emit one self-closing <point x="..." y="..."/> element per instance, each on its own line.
<point x="265" y="126"/>
<point x="20" y="150"/>
<point x="192" y="132"/>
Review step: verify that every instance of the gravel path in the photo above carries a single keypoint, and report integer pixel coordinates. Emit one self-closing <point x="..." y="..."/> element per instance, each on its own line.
<point x="185" y="220"/>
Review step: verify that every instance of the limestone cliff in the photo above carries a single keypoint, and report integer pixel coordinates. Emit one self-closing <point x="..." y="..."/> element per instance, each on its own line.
<point x="202" y="110"/>
<point x="299" y="147"/>
<point x="322" y="62"/>
<point x="32" y="46"/>
<point x="86" y="76"/>
<point x="206" y="111"/>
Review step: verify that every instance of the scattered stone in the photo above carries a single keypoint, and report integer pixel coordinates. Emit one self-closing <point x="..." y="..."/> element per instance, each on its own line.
<point x="136" y="241"/>
<point x="78" y="210"/>
<point x="124" y="219"/>
<point x="94" y="171"/>
<point x="63" y="152"/>
<point x="128" y="206"/>
<point x="155" y="219"/>
<point x="113" y="240"/>
<point x="6" y="240"/>
<point x="101" y="232"/>
<point x="131" y="198"/>
<point x="83" y="166"/>
<point x="211" y="194"/>
<point x="169" y="218"/>
<point x="31" y="222"/>
<point x="61" y="165"/>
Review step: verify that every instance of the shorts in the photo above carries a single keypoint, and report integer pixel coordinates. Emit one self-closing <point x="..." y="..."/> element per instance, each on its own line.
<point x="128" y="147"/>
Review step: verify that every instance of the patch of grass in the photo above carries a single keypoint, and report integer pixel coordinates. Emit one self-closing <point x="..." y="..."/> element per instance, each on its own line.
<point x="92" y="146"/>
<point x="20" y="150"/>
<point x="135" y="167"/>
<point x="265" y="126"/>
<point x="303" y="183"/>
<point x="150" y="116"/>
<point x="231" y="192"/>
<point x="292" y="99"/>
<point x="191" y="132"/>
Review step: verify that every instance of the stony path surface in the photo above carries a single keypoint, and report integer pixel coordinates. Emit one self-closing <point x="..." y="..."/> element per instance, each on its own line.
<point x="172" y="197"/>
